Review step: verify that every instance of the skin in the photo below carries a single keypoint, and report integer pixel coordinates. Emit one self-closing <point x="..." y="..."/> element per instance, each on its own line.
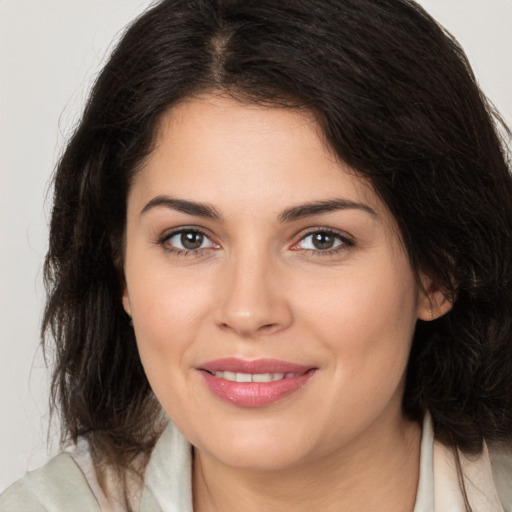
<point x="257" y="287"/>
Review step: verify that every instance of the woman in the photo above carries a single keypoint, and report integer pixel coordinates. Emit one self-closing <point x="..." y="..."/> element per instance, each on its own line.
<point x="286" y="227"/>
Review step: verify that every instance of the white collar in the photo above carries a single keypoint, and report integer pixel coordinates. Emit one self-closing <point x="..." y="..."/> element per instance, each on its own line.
<point x="439" y="488"/>
<point x="169" y="474"/>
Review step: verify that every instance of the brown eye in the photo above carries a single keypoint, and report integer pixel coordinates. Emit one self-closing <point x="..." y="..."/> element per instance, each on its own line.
<point x="191" y="240"/>
<point x="187" y="240"/>
<point x="323" y="241"/>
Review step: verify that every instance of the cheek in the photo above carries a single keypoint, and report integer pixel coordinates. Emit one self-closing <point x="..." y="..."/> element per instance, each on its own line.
<point x="162" y="296"/>
<point x="169" y="311"/>
<point x="160" y="313"/>
<point x="163" y="324"/>
<point x="367" y="321"/>
<point x="369" y="306"/>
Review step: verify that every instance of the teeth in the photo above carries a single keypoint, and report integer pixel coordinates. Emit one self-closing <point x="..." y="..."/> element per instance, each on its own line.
<point x="243" y="377"/>
<point x="254" y="377"/>
<point x="230" y="376"/>
<point x="262" y="377"/>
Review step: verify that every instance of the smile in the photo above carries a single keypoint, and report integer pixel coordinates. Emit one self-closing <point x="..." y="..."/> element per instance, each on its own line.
<point x="254" y="377"/>
<point x="254" y="383"/>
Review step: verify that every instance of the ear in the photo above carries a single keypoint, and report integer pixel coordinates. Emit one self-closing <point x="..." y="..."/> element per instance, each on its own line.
<point x="433" y="301"/>
<point x="126" y="302"/>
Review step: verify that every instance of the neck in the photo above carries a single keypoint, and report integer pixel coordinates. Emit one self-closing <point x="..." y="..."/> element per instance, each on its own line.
<point x="379" y="471"/>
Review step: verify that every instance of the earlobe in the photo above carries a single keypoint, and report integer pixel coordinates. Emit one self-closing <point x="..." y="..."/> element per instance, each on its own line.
<point x="433" y="306"/>
<point x="433" y="302"/>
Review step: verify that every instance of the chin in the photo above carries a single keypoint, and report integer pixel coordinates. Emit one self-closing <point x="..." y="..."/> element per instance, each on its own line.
<point x="258" y="445"/>
<point x="259" y="456"/>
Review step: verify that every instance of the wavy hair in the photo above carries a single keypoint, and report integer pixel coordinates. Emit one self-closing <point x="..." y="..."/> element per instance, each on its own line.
<point x="396" y="100"/>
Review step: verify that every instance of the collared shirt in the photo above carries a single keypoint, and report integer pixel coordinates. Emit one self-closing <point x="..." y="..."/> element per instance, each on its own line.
<point x="68" y="482"/>
<point x="438" y="488"/>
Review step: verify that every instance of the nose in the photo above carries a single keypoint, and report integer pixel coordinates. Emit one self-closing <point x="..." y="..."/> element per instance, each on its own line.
<point x="253" y="299"/>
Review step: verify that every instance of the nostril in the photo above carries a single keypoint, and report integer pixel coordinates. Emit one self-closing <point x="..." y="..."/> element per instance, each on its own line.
<point x="266" y="315"/>
<point x="249" y="330"/>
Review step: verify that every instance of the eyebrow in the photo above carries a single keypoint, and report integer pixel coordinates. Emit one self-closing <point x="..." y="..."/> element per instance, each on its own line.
<point x="293" y="213"/>
<point x="181" y="205"/>
<point x="318" y="207"/>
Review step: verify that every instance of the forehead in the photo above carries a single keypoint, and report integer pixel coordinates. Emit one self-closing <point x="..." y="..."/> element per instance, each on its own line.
<point x="216" y="149"/>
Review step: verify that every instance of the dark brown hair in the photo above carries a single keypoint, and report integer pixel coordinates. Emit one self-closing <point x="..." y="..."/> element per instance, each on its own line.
<point x="396" y="100"/>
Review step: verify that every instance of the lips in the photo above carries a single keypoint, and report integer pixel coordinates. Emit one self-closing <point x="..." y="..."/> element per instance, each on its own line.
<point x="254" y="383"/>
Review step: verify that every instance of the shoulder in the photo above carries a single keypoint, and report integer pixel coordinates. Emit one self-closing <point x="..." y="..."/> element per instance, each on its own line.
<point x="59" y="485"/>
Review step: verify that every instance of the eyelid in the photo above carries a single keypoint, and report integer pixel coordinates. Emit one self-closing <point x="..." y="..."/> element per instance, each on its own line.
<point x="347" y="240"/>
<point x="167" y="235"/>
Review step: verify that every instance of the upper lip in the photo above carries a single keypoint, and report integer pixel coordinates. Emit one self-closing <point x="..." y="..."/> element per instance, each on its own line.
<point x="233" y="364"/>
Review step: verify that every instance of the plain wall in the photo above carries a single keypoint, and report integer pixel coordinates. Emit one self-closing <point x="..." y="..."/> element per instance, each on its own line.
<point x="50" y="52"/>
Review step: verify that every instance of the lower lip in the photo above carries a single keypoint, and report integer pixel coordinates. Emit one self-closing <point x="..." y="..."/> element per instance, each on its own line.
<point x="254" y="394"/>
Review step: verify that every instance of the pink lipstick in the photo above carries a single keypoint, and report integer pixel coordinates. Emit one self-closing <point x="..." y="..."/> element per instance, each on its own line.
<point x="254" y="383"/>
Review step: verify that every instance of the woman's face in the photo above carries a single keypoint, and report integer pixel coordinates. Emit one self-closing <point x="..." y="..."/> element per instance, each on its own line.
<point x="272" y="301"/>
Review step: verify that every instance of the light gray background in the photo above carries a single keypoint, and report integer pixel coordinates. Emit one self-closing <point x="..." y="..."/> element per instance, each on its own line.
<point x="50" y="52"/>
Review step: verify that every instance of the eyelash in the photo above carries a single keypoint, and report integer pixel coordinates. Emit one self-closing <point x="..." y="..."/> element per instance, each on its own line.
<point x="163" y="241"/>
<point x="344" y="242"/>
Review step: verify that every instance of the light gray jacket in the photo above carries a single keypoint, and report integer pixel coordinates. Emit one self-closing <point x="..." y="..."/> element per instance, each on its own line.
<point x="64" y="484"/>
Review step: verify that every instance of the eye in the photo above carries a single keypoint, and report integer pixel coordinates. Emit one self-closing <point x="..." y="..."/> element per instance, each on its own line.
<point x="323" y="241"/>
<point x="186" y="240"/>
